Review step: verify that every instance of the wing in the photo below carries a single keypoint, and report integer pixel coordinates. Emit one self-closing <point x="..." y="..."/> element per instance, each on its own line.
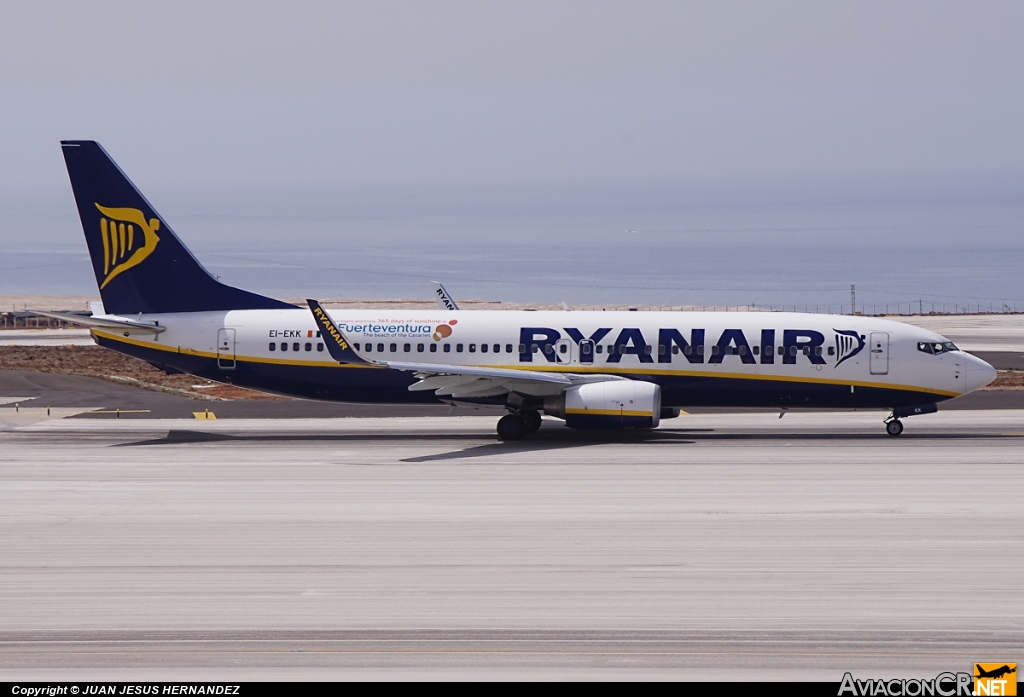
<point x="456" y="381"/>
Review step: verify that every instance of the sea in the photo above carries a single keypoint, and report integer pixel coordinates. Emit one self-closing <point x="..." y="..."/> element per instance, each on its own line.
<point x="905" y="244"/>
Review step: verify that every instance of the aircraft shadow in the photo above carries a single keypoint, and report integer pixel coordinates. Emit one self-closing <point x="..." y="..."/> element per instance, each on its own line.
<point x="545" y="439"/>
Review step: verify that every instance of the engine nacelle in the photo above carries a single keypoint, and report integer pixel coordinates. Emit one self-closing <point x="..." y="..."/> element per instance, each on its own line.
<point x="609" y="404"/>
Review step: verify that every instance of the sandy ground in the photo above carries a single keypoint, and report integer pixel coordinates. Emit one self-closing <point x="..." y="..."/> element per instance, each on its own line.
<point x="96" y="361"/>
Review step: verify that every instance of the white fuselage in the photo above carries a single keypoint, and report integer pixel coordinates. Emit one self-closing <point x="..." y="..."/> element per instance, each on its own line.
<point x="788" y="359"/>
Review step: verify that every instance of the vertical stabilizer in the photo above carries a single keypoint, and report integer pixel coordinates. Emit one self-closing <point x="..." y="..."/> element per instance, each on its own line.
<point x="140" y="264"/>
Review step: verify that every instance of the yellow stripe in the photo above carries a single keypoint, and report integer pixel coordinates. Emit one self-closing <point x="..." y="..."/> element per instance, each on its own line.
<point x="608" y="412"/>
<point x="735" y="376"/>
<point x="559" y="369"/>
<point x="106" y="246"/>
<point x="184" y="351"/>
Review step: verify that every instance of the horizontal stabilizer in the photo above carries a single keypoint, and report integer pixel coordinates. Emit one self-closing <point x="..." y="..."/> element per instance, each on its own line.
<point x="109" y="322"/>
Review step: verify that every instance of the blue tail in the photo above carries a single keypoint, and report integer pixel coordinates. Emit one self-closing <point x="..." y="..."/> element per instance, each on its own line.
<point x="140" y="265"/>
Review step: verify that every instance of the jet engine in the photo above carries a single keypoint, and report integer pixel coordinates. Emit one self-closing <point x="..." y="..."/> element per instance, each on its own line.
<point x="609" y="404"/>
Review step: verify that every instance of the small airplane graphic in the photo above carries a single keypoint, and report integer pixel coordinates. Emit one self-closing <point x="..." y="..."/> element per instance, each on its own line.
<point x="994" y="673"/>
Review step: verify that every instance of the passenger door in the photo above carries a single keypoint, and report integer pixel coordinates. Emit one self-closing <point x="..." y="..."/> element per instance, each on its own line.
<point x="879" y="360"/>
<point x="226" y="349"/>
<point x="564" y="351"/>
<point x="586" y="351"/>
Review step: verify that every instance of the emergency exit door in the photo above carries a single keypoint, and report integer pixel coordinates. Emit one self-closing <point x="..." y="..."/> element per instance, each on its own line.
<point x="226" y="349"/>
<point x="879" y="360"/>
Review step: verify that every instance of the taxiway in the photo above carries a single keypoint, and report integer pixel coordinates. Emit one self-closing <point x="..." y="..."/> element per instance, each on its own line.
<point x="421" y="547"/>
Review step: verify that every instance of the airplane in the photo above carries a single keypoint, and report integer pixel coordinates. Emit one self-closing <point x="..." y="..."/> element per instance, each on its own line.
<point x="591" y="369"/>
<point x="995" y="673"/>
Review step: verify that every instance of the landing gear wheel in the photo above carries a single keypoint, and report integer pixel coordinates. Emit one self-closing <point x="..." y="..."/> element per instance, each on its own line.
<point x="531" y="420"/>
<point x="894" y="427"/>
<point x="510" y="427"/>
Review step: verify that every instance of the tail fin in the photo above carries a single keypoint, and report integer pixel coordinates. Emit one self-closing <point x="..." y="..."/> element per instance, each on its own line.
<point x="140" y="265"/>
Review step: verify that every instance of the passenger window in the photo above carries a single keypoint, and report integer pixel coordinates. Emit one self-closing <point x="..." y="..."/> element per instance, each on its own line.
<point x="817" y="350"/>
<point x="743" y="350"/>
<point x="831" y="350"/>
<point x="769" y="350"/>
<point x="369" y="347"/>
<point x="447" y="348"/>
<point x="295" y="346"/>
<point x="319" y="347"/>
<point x="458" y="348"/>
<point x="585" y="348"/>
<point x="806" y="350"/>
<point x="309" y="346"/>
<point x="472" y="348"/>
<point x="782" y="350"/>
<point x="273" y="346"/>
<point x="611" y="349"/>
<point x="700" y="349"/>
<point x="622" y="348"/>
<point x="483" y="348"/>
<point x="497" y="348"/>
<point x="394" y="348"/>
<point x="508" y="348"/>
<point x="419" y="348"/>
<point x="433" y="348"/>
<point x="755" y="349"/>
<point x="648" y="349"/>
<point x="548" y="349"/>
<point x="407" y="348"/>
<point x="687" y="350"/>
<point x="535" y="348"/>
<point x="792" y="350"/>
<point x="715" y="350"/>
<point x="284" y="345"/>
<point x="563" y="348"/>
<point x="357" y="346"/>
<point x="599" y="348"/>
<point x="380" y="348"/>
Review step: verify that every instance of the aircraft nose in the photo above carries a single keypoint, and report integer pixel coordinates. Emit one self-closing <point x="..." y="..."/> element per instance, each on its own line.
<point x="977" y="373"/>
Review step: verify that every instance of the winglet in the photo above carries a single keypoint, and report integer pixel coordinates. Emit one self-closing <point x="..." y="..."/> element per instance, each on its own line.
<point x="337" y="345"/>
<point x="445" y="301"/>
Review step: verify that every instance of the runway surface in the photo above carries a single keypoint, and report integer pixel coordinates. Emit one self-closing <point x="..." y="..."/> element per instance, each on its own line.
<point x="736" y="545"/>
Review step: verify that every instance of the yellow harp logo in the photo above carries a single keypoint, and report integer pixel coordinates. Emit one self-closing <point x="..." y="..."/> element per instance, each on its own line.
<point x="123" y="245"/>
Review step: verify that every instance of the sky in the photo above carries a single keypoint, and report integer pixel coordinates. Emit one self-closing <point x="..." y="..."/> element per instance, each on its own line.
<point x="639" y="152"/>
<point x="238" y="93"/>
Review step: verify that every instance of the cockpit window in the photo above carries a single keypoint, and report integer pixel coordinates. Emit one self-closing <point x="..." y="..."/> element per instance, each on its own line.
<point x="936" y="347"/>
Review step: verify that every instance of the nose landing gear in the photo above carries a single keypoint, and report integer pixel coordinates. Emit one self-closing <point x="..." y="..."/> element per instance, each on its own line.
<point x="893" y="425"/>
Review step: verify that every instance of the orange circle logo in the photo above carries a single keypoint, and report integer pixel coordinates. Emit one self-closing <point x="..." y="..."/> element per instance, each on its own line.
<point x="443" y="331"/>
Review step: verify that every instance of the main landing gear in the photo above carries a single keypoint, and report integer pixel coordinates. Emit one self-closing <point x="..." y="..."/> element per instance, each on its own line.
<point x="894" y="427"/>
<point x="517" y="424"/>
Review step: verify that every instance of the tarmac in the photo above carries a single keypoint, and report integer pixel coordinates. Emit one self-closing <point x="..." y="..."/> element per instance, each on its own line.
<point x="306" y="540"/>
<point x="719" y="546"/>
